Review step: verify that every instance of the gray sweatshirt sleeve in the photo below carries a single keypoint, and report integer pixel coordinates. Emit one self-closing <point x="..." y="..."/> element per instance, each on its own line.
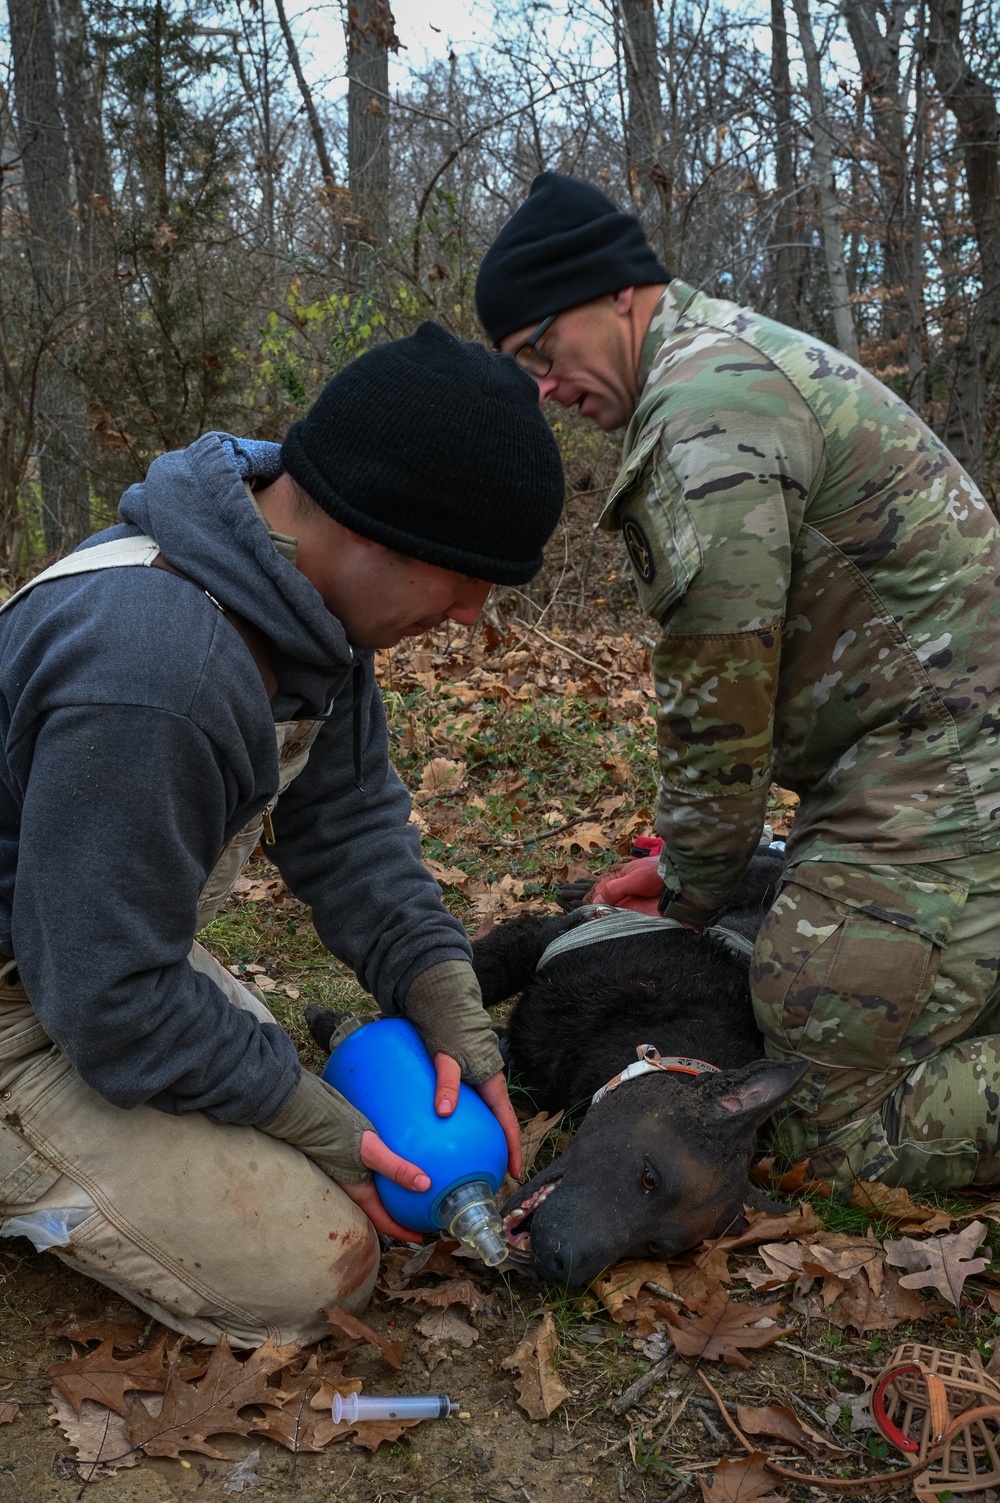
<point x="349" y="852"/>
<point x="123" y="814"/>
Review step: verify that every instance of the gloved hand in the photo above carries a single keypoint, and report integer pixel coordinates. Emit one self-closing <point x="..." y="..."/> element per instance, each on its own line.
<point x="340" y="1141"/>
<point x="446" y="1006"/>
<point x="636" y="885"/>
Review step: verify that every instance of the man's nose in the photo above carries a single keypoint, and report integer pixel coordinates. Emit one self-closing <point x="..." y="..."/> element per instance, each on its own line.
<point x="546" y="386"/>
<point x="466" y="608"/>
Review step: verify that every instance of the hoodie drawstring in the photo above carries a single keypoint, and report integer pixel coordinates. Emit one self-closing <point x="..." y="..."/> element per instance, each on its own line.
<point x="357" y="680"/>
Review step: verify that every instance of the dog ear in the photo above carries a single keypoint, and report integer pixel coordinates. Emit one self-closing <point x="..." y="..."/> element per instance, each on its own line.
<point x="751" y="1093"/>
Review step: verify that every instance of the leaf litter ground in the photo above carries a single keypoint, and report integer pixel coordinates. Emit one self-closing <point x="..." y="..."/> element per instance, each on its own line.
<point x="531" y="764"/>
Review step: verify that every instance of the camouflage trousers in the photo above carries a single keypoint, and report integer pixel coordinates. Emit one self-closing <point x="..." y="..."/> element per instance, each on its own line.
<point x="885" y="978"/>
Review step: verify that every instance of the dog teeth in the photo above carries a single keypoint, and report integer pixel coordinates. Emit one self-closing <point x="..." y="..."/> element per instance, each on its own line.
<point x="516" y="1215"/>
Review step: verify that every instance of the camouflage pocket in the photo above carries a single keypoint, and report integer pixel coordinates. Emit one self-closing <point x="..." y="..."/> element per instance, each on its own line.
<point x="647" y="504"/>
<point x="847" y="958"/>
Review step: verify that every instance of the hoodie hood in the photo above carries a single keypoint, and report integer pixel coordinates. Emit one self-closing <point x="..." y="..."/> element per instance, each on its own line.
<point x="194" y="504"/>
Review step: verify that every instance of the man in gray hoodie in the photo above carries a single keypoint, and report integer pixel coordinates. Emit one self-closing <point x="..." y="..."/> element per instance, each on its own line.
<point x="159" y="689"/>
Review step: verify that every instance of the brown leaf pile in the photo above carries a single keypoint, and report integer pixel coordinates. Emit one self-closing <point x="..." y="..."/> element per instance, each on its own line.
<point x="121" y="1399"/>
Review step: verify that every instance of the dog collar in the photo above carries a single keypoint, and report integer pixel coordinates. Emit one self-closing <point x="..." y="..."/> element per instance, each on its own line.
<point x="649" y="1059"/>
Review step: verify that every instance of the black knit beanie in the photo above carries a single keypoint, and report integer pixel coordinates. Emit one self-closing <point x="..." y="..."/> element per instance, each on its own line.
<point x="567" y="244"/>
<point x="437" y="449"/>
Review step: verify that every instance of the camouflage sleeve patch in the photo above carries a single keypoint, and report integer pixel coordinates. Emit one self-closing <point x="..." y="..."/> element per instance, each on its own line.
<point x="647" y="504"/>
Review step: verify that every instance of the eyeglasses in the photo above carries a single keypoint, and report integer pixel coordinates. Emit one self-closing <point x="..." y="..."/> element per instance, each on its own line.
<point x="529" y="357"/>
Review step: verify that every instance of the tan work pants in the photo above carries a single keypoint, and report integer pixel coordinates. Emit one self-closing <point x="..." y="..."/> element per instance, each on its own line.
<point x="206" y="1226"/>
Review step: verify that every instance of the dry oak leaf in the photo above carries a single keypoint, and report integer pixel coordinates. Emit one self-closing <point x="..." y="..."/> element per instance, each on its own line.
<point x="723" y="1329"/>
<point x="448" y="876"/>
<point x="533" y="1135"/>
<point x="783" y="1264"/>
<point x="765" y="1226"/>
<point x="783" y="1423"/>
<point x="106" y="1379"/>
<point x="209" y="1406"/>
<point x="98" y="1437"/>
<point x="436" y="1257"/>
<point x="297" y="1414"/>
<point x="119" y="1323"/>
<point x="892" y="1203"/>
<point x="837" y="1258"/>
<point x="943" y="1262"/>
<point x="618" y="1289"/>
<point x="860" y="1307"/>
<point x="539" y="1387"/>
<point x="9" y="1410"/>
<point x="452" y="1292"/>
<point x="743" y="1481"/>
<point x="590" y="837"/>
<point x="372" y="1433"/>
<point x="339" y="1319"/>
<point x="442" y="775"/>
<point x="444" y="1329"/>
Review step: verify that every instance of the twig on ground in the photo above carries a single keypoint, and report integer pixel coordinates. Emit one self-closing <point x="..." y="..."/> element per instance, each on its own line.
<point x="860" y="1372"/>
<point x="716" y="1395"/>
<point x="561" y="646"/>
<point x="679" y="1490"/>
<point x="700" y="1408"/>
<point x="642" y="1385"/>
<point x="509" y="845"/>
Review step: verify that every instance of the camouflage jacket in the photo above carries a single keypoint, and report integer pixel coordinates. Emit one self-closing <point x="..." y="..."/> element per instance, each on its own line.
<point x="827" y="580"/>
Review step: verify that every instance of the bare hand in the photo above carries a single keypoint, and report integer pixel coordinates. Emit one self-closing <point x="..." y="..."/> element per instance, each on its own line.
<point x="378" y="1156"/>
<point x="493" y="1092"/>
<point x="636" y="885"/>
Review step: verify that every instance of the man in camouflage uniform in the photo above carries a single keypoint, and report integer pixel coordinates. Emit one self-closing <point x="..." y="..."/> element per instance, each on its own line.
<point x="827" y="582"/>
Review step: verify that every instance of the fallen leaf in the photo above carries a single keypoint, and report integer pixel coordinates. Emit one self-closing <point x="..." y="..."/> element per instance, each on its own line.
<point x="892" y="1203"/>
<point x="448" y="876"/>
<point x="858" y="1306"/>
<point x="9" y="1410"/>
<point x="723" y="1329"/>
<point x="766" y="1226"/>
<point x="780" y="1421"/>
<point x="209" y="1406"/>
<point x="98" y="1436"/>
<point x="241" y="1475"/>
<point x="621" y="1284"/>
<point x="452" y="1292"/>
<point x="745" y="1480"/>
<point x="436" y="1257"/>
<point x="943" y="1262"/>
<point x="444" y="1329"/>
<point x="591" y="837"/>
<point x="858" y="1404"/>
<point x="539" y="1388"/>
<point x="105" y="1379"/>
<point x="296" y="1413"/>
<point x="837" y="1258"/>
<point x="373" y="1433"/>
<point x="442" y="775"/>
<point x="533" y="1135"/>
<point x="783" y="1264"/>
<point x="120" y="1323"/>
<point x="351" y="1326"/>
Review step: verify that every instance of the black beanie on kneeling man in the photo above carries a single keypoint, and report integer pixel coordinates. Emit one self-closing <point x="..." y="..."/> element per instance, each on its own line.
<point x="437" y="449"/>
<point x="567" y="244"/>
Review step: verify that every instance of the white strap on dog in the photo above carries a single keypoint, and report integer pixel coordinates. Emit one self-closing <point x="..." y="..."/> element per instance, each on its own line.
<point x="649" y="1060"/>
<point x="605" y="922"/>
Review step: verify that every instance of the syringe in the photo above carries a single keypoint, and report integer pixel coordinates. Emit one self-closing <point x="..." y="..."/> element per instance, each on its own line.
<point x="354" y="1406"/>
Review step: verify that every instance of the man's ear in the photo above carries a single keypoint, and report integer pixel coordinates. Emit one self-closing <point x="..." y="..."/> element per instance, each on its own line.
<point x="622" y="301"/>
<point x="752" y="1092"/>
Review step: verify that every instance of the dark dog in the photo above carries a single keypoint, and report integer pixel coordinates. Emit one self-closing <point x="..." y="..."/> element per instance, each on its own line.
<point x="660" y="1162"/>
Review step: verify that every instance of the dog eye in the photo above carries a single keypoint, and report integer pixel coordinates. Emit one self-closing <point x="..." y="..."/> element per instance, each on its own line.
<point x="648" y="1181"/>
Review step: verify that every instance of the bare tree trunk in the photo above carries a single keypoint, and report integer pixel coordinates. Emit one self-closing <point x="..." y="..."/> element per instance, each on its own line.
<point x="644" y="132"/>
<point x="833" y="239"/>
<point x="971" y="100"/>
<point x="61" y="431"/>
<point x="370" y="34"/>
<point x="787" y="255"/>
<point x="878" y="56"/>
<point x="81" y="101"/>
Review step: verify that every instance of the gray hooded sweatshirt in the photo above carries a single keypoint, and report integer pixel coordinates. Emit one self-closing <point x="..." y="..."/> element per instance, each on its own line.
<point x="136" y="738"/>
